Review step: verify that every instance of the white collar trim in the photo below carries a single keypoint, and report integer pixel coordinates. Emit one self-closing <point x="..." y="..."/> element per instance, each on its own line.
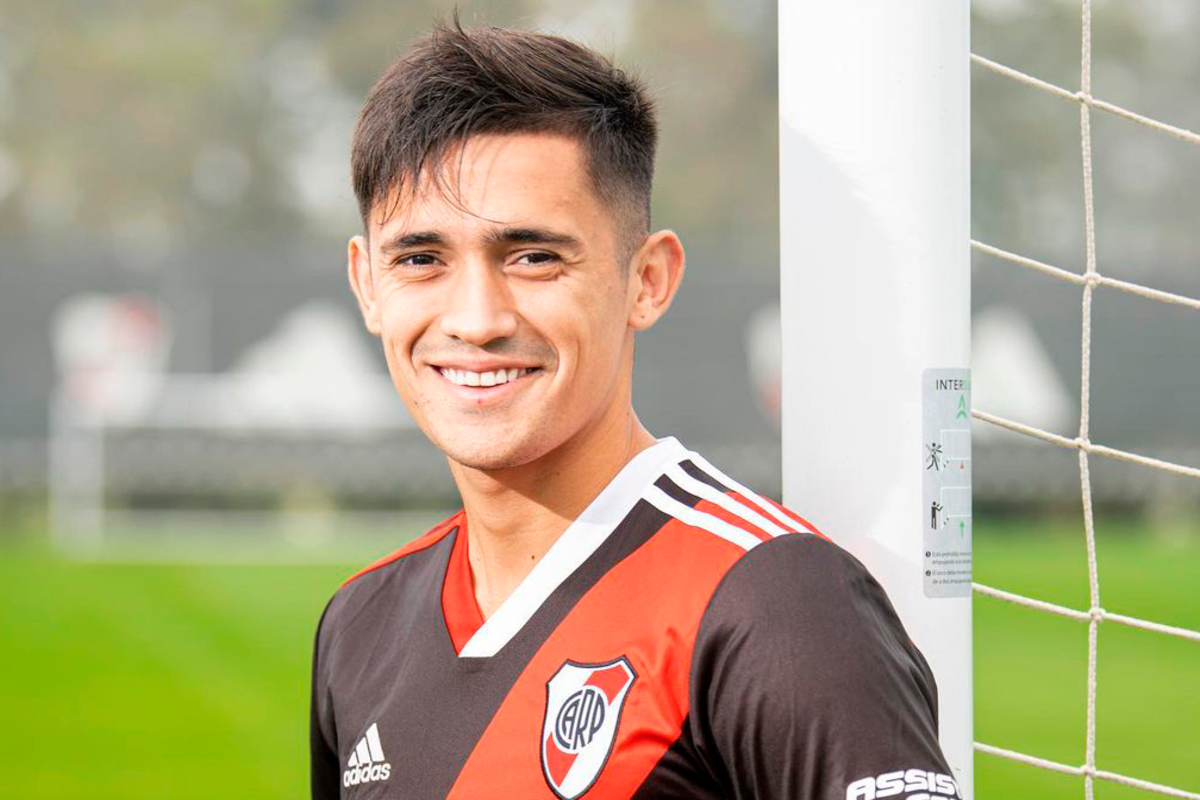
<point x="576" y="544"/>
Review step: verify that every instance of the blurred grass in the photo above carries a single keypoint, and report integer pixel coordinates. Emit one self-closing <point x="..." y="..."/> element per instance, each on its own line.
<point x="1031" y="667"/>
<point x="143" y="680"/>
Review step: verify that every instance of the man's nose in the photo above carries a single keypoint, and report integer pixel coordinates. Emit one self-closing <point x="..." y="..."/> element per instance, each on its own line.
<point x="480" y="307"/>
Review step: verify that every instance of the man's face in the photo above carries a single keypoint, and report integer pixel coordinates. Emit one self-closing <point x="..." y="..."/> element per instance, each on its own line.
<point x="505" y="326"/>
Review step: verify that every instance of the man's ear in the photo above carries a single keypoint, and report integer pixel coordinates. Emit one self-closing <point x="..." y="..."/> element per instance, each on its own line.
<point x="655" y="273"/>
<point x="362" y="283"/>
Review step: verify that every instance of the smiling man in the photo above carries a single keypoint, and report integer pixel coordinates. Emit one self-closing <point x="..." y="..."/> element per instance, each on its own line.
<point x="608" y="615"/>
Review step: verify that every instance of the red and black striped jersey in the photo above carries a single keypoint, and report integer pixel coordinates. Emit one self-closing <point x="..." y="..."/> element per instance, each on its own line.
<point x="683" y="638"/>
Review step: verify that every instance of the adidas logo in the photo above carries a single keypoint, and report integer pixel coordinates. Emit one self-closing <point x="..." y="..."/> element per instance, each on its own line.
<point x="366" y="762"/>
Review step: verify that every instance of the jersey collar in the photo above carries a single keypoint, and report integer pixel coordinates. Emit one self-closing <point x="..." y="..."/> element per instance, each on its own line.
<point x="577" y="543"/>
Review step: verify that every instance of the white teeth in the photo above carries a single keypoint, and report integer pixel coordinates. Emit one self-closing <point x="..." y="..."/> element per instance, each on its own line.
<point x="463" y="377"/>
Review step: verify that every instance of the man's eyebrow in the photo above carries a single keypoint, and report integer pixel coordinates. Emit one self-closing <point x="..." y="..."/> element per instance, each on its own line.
<point x="512" y="235"/>
<point x="533" y="236"/>
<point x="402" y="241"/>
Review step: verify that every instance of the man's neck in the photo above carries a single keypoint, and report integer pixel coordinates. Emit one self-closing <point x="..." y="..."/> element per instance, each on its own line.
<point x="515" y="515"/>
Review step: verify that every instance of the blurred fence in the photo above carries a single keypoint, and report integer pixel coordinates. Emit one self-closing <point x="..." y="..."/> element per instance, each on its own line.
<point x="204" y="468"/>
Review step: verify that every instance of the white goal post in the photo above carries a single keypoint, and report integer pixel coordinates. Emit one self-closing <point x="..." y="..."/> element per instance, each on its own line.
<point x="874" y="121"/>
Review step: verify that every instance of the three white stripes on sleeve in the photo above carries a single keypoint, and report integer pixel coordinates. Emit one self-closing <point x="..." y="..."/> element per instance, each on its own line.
<point x="774" y="522"/>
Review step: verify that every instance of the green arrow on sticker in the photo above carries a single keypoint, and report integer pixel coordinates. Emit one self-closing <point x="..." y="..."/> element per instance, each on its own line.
<point x="962" y="527"/>
<point x="962" y="407"/>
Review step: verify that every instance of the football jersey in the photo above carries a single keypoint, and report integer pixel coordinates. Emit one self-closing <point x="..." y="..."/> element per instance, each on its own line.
<point x="683" y="638"/>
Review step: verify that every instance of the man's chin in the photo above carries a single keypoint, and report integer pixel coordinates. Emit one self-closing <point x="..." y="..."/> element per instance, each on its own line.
<point x="489" y="456"/>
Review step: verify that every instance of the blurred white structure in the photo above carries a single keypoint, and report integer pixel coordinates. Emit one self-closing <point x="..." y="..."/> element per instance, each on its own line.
<point x="312" y="375"/>
<point x="764" y="359"/>
<point x="1013" y="375"/>
<point x="313" y="371"/>
<point x="111" y="351"/>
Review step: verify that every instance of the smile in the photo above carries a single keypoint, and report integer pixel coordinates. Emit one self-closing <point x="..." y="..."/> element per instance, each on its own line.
<point x="462" y="377"/>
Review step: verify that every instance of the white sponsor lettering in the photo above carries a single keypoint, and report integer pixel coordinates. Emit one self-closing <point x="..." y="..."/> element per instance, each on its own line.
<point x="889" y="784"/>
<point x="926" y="786"/>
<point x="861" y="789"/>
<point x="916" y="780"/>
<point x="947" y="785"/>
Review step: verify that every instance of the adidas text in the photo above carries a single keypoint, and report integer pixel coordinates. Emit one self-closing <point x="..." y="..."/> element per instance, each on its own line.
<point x="366" y="763"/>
<point x="367" y="774"/>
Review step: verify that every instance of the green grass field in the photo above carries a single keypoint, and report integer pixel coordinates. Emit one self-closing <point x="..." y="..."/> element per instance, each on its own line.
<point x="128" y="681"/>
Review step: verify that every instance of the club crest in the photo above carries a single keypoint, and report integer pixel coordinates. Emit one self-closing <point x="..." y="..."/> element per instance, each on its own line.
<point x="583" y="708"/>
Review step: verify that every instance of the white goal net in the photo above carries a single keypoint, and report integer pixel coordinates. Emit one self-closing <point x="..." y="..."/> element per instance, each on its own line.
<point x="1090" y="281"/>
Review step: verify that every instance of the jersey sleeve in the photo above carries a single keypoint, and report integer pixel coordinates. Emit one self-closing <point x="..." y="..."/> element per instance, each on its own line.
<point x="805" y="684"/>
<point x="323" y="749"/>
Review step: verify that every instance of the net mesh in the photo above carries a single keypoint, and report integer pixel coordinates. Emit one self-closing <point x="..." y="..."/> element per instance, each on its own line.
<point x="1090" y="280"/>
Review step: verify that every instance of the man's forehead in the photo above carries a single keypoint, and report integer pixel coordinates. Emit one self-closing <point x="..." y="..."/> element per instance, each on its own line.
<point x="518" y="179"/>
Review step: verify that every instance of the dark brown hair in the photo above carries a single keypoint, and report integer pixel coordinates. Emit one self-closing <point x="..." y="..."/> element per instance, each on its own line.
<point x="455" y="83"/>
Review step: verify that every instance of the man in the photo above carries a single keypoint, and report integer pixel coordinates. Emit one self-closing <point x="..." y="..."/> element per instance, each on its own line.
<point x="609" y="615"/>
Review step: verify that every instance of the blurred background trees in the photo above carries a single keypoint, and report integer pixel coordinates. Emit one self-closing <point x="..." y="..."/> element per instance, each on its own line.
<point x="197" y="153"/>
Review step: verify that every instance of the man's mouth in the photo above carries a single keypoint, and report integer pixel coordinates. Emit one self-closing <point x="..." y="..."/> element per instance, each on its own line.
<point x="462" y="377"/>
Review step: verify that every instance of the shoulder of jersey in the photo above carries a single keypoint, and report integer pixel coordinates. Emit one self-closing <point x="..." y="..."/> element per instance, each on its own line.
<point x="782" y="571"/>
<point x="423" y="542"/>
<point x="701" y="497"/>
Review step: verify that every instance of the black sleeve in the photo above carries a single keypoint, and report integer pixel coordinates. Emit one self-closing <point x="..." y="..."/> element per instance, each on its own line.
<point x="805" y="684"/>
<point x="323" y="750"/>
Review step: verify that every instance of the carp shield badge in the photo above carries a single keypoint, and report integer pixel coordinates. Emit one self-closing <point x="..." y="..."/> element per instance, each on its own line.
<point x="583" y="708"/>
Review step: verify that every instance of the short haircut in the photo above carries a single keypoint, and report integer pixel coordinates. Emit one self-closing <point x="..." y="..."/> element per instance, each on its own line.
<point x="456" y="83"/>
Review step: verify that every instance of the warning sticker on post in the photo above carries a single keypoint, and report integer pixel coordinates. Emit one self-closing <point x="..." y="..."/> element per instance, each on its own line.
<point x="946" y="481"/>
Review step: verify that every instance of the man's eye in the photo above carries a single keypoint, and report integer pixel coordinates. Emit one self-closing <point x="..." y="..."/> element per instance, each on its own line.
<point x="537" y="259"/>
<point x="416" y="260"/>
